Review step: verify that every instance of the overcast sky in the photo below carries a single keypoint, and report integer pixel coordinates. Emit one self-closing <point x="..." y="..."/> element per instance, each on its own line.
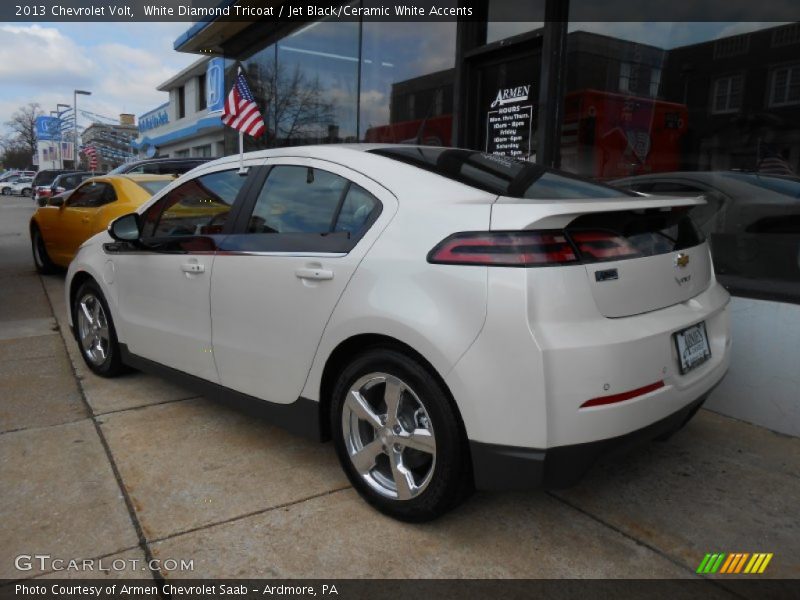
<point x="120" y="63"/>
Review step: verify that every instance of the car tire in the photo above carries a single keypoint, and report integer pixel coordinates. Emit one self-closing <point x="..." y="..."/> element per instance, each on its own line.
<point x="411" y="463"/>
<point x="26" y="192"/>
<point x="95" y="332"/>
<point x="41" y="259"/>
<point x="6" y="191"/>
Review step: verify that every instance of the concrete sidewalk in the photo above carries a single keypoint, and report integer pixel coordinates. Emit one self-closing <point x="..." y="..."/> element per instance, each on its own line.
<point x="136" y="468"/>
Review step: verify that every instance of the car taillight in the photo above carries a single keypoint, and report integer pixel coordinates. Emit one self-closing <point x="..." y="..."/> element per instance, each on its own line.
<point x="504" y="249"/>
<point x="602" y="245"/>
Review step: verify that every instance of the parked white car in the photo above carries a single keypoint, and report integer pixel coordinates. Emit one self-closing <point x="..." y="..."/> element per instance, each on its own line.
<point x="19" y="187"/>
<point x="451" y="319"/>
<point x="10" y="176"/>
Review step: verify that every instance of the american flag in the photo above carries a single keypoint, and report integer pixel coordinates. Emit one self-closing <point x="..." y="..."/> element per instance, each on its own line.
<point x="241" y="111"/>
<point x="91" y="154"/>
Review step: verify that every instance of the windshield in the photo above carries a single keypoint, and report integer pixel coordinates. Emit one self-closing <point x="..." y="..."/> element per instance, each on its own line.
<point x="153" y="186"/>
<point x="499" y="174"/>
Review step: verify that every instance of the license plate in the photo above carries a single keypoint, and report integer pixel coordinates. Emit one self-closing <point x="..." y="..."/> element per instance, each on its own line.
<point x="692" y="346"/>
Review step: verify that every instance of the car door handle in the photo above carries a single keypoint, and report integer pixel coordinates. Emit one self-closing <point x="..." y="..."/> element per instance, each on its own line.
<point x="317" y="274"/>
<point x="86" y="220"/>
<point x="193" y="268"/>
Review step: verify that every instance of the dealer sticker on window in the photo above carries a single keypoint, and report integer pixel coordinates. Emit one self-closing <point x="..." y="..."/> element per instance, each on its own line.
<point x="693" y="348"/>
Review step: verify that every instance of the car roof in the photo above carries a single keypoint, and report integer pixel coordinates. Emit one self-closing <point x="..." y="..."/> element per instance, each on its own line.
<point x="727" y="177"/>
<point x="70" y="173"/>
<point x="135" y="177"/>
<point x="143" y="177"/>
<point x="169" y="159"/>
<point x="124" y="178"/>
<point x="389" y="173"/>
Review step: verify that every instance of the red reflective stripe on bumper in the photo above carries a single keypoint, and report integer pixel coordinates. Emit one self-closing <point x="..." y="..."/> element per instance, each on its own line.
<point x="623" y="396"/>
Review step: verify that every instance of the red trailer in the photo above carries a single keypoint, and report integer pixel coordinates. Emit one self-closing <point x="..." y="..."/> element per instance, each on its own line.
<point x="435" y="131"/>
<point x="607" y="135"/>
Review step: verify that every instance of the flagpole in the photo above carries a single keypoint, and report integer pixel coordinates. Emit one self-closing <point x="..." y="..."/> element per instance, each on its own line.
<point x="239" y="71"/>
<point x="241" y="152"/>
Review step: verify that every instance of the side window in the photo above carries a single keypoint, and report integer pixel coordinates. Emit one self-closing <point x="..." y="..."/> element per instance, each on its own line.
<point x="109" y="194"/>
<point x="305" y="209"/>
<point x="311" y="201"/>
<point x="356" y="210"/>
<point x="297" y="200"/>
<point x="198" y="207"/>
<point x="92" y="195"/>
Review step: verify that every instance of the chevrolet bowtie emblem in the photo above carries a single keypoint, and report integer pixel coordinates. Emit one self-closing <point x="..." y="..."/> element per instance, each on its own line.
<point x="681" y="260"/>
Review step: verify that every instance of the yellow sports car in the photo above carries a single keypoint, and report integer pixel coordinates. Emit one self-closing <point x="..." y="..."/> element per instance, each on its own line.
<point x="58" y="229"/>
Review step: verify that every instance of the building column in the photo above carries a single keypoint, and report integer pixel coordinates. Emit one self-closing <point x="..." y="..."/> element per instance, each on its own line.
<point x="552" y="83"/>
<point x="469" y="35"/>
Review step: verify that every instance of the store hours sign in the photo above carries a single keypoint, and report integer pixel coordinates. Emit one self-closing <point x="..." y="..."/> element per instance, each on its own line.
<point x="509" y="123"/>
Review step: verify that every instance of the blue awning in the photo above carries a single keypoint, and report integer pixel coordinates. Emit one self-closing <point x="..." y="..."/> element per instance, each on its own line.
<point x="199" y="26"/>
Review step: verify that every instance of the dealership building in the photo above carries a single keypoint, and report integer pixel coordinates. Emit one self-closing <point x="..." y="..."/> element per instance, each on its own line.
<point x="599" y="98"/>
<point x="188" y="124"/>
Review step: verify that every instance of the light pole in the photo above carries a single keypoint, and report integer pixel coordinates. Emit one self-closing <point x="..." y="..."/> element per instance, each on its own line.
<point x="54" y="113"/>
<point x="75" y="108"/>
<point x="60" y="112"/>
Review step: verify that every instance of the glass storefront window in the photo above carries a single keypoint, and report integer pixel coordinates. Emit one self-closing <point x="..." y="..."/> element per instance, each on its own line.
<point x="709" y="109"/>
<point x="315" y="85"/>
<point x="308" y="82"/>
<point x="407" y="79"/>
<point x="307" y="85"/>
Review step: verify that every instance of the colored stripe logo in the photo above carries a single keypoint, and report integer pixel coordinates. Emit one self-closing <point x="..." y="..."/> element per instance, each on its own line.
<point x="734" y="563"/>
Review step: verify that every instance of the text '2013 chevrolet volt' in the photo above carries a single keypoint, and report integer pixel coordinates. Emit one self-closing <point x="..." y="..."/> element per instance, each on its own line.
<point x="451" y="319"/>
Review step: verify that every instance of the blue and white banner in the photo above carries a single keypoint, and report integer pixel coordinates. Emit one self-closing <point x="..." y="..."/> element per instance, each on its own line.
<point x="48" y="128"/>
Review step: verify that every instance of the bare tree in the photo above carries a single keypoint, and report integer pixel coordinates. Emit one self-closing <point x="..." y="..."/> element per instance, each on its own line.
<point x="297" y="111"/>
<point x="15" y="157"/>
<point x="23" y="126"/>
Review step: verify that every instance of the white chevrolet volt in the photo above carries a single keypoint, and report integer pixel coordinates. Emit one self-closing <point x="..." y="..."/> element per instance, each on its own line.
<point x="451" y="319"/>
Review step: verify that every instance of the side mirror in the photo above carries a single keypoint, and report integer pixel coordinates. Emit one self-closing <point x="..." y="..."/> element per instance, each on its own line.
<point x="127" y="228"/>
<point x="56" y="201"/>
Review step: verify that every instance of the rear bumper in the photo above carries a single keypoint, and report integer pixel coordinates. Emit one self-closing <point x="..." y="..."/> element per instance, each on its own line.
<point x="497" y="467"/>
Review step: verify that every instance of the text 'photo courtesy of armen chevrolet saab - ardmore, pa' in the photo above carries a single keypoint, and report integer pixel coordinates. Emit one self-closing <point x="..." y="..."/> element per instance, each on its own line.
<point x="472" y="298"/>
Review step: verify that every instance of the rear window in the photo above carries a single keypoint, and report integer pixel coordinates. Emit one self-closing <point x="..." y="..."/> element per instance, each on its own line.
<point x="46" y="177"/>
<point x="152" y="186"/>
<point x="499" y="174"/>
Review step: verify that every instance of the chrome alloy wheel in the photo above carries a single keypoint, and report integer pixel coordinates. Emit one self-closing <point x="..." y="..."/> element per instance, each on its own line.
<point x="93" y="329"/>
<point x="389" y="436"/>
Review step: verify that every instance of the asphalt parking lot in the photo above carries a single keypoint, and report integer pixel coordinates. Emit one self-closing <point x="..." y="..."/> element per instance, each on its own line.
<point x="137" y="468"/>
